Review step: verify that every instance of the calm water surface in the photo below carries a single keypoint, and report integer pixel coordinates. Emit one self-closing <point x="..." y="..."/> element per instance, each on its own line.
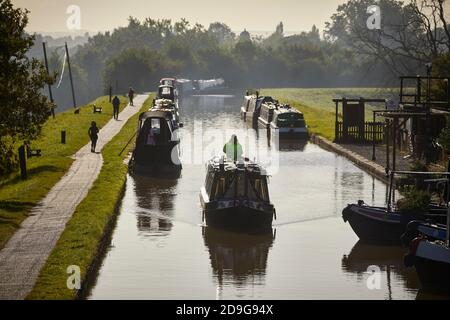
<point x="161" y="250"/>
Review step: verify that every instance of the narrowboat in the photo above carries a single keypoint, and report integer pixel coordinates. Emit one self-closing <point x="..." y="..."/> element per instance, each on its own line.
<point x="387" y="224"/>
<point x="236" y="195"/>
<point x="209" y="86"/>
<point x="432" y="231"/>
<point x="431" y="260"/>
<point x="167" y="105"/>
<point x="166" y="92"/>
<point x="157" y="144"/>
<point x="282" y="120"/>
<point x="251" y="107"/>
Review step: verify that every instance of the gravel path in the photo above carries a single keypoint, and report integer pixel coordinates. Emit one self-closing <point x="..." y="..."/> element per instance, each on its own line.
<point x="28" y="249"/>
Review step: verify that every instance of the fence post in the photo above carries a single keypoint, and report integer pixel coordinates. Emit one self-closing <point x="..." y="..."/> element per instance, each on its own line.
<point x="63" y="136"/>
<point x="22" y="162"/>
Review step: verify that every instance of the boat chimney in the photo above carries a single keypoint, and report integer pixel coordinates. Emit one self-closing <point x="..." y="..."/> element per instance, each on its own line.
<point x="221" y="164"/>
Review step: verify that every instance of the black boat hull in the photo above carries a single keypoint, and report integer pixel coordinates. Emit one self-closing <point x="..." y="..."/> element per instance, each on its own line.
<point x="373" y="228"/>
<point x="375" y="225"/>
<point x="238" y="217"/>
<point x="433" y="275"/>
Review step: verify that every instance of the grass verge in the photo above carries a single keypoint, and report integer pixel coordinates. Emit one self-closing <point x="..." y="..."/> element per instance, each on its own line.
<point x="18" y="196"/>
<point x="80" y="242"/>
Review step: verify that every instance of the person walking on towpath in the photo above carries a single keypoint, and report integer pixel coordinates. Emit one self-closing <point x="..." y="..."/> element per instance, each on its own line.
<point x="116" y="105"/>
<point x="93" y="134"/>
<point x="131" y="96"/>
<point x="233" y="148"/>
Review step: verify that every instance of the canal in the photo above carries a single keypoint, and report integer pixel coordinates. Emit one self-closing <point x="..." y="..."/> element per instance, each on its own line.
<point x="161" y="250"/>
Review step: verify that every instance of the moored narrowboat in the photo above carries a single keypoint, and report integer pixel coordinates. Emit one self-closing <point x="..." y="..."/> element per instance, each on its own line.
<point x="157" y="144"/>
<point x="236" y="195"/>
<point x="387" y="224"/>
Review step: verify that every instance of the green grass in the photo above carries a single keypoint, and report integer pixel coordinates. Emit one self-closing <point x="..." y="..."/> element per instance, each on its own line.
<point x="17" y="196"/>
<point x="80" y="240"/>
<point x="318" y="107"/>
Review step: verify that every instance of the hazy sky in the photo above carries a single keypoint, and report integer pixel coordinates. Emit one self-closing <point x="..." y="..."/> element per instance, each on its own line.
<point x="261" y="15"/>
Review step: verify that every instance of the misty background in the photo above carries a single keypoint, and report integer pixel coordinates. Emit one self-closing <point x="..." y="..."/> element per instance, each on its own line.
<point x="251" y="45"/>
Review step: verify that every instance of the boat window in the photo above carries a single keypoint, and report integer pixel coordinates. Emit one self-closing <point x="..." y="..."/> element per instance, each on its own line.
<point x="165" y="90"/>
<point x="290" y="119"/>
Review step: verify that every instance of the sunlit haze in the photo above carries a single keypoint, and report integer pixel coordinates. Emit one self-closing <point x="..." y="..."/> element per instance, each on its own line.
<point x="50" y="16"/>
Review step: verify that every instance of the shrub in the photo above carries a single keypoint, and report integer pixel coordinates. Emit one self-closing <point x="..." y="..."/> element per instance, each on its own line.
<point x="414" y="202"/>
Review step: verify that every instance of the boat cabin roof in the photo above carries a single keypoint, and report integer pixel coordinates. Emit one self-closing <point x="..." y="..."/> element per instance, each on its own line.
<point x="160" y="113"/>
<point x="284" y="108"/>
<point x="230" y="166"/>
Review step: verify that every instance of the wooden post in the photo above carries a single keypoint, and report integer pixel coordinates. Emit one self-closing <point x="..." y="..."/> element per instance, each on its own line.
<point x="110" y="93"/>
<point x="401" y="89"/>
<point x="70" y="76"/>
<point x="448" y="226"/>
<point x="63" y="136"/>
<point x="49" y="85"/>
<point x="419" y="89"/>
<point x="394" y="142"/>
<point x="387" y="146"/>
<point x="373" y="138"/>
<point x="22" y="162"/>
<point x="336" y="129"/>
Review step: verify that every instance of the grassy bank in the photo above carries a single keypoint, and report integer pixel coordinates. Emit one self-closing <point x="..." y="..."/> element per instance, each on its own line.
<point x="83" y="234"/>
<point x="17" y="196"/>
<point x="318" y="107"/>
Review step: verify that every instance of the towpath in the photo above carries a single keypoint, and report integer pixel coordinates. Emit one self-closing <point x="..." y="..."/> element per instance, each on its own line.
<point x="26" y="252"/>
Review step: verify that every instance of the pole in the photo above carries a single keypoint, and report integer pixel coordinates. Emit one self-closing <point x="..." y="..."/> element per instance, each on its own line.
<point x="49" y="85"/>
<point x="387" y="145"/>
<point x="394" y="142"/>
<point x="110" y="93"/>
<point x="22" y="162"/>
<point x="448" y="226"/>
<point x="336" y="130"/>
<point x="63" y="136"/>
<point x="373" y="138"/>
<point x="70" y="76"/>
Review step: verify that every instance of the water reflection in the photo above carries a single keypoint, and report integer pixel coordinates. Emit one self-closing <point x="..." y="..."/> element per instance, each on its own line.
<point x="388" y="258"/>
<point x="155" y="199"/>
<point x="238" y="258"/>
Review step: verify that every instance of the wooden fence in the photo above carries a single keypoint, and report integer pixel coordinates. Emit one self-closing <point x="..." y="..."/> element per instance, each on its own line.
<point x="360" y="134"/>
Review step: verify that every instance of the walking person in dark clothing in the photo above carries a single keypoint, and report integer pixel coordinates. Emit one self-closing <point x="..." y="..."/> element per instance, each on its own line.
<point x="93" y="134"/>
<point x="116" y="105"/>
<point x="131" y="96"/>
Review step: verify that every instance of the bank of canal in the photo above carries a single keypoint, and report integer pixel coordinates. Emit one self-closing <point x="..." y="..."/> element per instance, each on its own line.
<point x="161" y="250"/>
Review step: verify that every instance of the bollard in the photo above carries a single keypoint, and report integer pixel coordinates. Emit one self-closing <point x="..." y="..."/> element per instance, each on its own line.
<point x="22" y="162"/>
<point x="63" y="136"/>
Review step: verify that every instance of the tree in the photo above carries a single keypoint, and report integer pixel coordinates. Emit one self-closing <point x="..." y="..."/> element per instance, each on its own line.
<point x="23" y="106"/>
<point x="412" y="33"/>
<point x="221" y="32"/>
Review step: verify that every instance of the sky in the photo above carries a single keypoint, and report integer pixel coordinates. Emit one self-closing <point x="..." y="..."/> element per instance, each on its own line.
<point x="50" y="16"/>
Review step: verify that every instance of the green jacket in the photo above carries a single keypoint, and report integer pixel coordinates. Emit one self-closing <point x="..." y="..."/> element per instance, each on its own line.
<point x="233" y="151"/>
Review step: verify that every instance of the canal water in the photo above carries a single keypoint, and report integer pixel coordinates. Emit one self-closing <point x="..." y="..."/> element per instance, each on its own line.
<point x="160" y="248"/>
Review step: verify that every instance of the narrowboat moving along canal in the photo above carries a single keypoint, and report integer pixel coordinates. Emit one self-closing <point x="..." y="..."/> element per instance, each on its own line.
<point x="283" y="120"/>
<point x="387" y="224"/>
<point x="236" y="195"/>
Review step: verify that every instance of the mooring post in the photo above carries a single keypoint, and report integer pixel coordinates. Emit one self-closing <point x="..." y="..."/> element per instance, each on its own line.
<point x="63" y="136"/>
<point x="336" y="129"/>
<point x="373" y="138"/>
<point x="394" y="142"/>
<point x="22" y="162"/>
<point x="387" y="146"/>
